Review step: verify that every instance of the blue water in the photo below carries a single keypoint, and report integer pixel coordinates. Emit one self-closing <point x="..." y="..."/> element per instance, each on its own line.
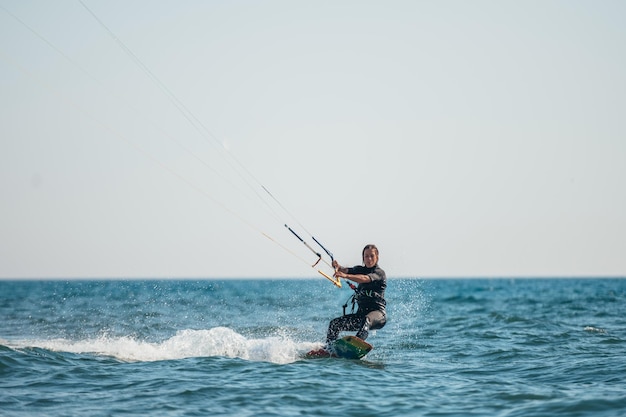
<point x="473" y="347"/>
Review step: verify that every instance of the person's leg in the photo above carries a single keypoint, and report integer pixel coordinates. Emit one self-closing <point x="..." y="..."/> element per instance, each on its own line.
<point x="372" y="321"/>
<point x="349" y="322"/>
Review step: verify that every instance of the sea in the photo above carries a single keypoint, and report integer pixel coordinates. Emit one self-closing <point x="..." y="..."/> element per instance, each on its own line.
<point x="451" y="347"/>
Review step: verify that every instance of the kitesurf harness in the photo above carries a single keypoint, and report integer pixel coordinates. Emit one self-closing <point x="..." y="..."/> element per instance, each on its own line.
<point x="353" y="299"/>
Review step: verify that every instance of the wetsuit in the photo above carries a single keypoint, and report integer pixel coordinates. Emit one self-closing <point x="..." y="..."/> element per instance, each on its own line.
<point x="370" y="297"/>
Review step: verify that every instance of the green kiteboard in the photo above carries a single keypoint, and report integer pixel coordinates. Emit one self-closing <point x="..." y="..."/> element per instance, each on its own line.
<point x="348" y="347"/>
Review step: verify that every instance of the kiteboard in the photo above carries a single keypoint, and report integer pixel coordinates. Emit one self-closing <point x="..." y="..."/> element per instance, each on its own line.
<point x="348" y="347"/>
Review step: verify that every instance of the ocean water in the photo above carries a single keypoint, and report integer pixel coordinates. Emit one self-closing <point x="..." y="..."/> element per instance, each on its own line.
<point x="466" y="347"/>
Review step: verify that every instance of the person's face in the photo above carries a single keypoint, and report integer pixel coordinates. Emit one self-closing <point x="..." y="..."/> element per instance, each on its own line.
<point x="370" y="258"/>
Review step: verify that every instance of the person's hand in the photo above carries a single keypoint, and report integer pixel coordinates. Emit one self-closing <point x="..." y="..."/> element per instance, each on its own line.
<point x="339" y="274"/>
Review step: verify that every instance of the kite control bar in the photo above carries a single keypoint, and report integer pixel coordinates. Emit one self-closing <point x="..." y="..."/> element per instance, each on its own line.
<point x="334" y="280"/>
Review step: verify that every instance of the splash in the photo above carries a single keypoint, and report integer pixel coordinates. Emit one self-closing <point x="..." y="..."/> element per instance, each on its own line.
<point x="215" y="342"/>
<point x="594" y="329"/>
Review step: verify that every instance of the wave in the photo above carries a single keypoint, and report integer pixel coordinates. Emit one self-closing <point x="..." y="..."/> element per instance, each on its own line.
<point x="215" y="342"/>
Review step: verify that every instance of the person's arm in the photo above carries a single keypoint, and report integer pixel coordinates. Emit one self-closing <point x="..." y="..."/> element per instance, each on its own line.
<point x="342" y="272"/>
<point x="358" y="278"/>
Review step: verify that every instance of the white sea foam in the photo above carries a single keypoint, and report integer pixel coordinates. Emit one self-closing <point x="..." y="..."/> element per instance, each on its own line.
<point x="594" y="329"/>
<point x="218" y="341"/>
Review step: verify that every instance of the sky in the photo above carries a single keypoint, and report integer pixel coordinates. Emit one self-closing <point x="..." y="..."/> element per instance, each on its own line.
<point x="161" y="139"/>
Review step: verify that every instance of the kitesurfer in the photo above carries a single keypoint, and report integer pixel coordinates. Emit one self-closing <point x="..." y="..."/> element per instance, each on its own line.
<point x="369" y="295"/>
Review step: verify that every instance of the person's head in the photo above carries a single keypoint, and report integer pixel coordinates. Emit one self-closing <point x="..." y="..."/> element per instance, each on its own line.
<point x="370" y="255"/>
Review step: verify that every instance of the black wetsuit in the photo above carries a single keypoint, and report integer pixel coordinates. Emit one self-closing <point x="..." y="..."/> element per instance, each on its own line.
<point x="371" y="313"/>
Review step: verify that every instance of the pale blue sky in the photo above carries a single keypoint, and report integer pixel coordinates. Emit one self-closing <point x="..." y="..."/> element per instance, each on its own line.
<point x="482" y="138"/>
